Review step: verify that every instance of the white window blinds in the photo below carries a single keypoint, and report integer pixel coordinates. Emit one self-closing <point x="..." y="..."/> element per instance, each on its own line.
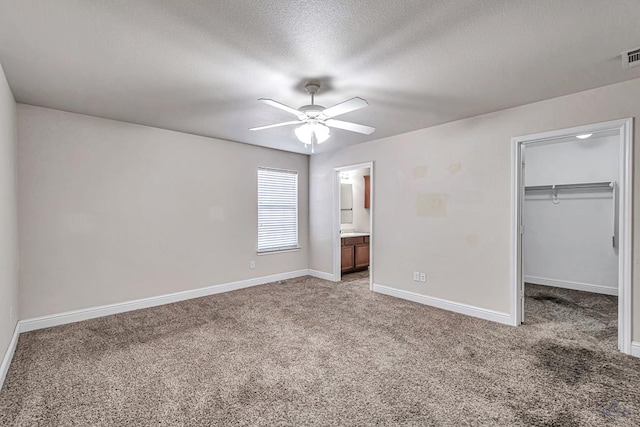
<point x="277" y="210"/>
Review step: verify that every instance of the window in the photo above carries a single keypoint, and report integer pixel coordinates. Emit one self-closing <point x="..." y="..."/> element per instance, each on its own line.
<point x="277" y="210"/>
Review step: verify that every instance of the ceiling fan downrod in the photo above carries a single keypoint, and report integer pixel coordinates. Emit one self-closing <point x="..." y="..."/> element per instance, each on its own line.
<point x="312" y="89"/>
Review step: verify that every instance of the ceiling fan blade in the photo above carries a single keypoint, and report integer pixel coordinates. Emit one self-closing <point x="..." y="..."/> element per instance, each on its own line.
<point x="345" y="107"/>
<point x="277" y="125"/>
<point x="353" y="127"/>
<point x="280" y="106"/>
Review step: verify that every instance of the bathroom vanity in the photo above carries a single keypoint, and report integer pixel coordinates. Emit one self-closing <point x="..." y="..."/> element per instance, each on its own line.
<point x="354" y="252"/>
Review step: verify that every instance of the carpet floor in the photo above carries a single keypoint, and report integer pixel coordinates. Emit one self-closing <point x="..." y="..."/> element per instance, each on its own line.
<point x="310" y="352"/>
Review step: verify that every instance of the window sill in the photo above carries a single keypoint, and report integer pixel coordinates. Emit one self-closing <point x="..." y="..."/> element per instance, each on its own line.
<point x="277" y="251"/>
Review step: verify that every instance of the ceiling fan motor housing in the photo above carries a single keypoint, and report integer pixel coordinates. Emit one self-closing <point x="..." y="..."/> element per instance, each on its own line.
<point x="312" y="88"/>
<point x="312" y="111"/>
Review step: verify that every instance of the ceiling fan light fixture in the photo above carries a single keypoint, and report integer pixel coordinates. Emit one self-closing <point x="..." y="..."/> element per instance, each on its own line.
<point x="305" y="132"/>
<point x="317" y="120"/>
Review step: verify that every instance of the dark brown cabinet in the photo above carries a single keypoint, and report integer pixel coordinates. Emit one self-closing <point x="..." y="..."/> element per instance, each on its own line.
<point x="362" y="256"/>
<point x="348" y="257"/>
<point x="354" y="254"/>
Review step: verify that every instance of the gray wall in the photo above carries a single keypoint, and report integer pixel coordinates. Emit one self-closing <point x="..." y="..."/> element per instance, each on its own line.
<point x="8" y="218"/>
<point x="443" y="197"/>
<point x="112" y="212"/>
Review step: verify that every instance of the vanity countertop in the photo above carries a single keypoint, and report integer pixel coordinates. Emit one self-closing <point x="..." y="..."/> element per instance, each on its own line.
<point x="354" y="234"/>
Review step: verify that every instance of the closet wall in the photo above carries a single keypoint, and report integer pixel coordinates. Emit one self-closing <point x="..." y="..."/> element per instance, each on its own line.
<point x="568" y="241"/>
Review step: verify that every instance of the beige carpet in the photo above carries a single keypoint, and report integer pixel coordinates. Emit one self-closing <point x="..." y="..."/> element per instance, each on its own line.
<point x="310" y="352"/>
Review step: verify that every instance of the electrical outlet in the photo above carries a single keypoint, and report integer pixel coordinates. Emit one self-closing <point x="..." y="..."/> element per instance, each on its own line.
<point x="252" y="264"/>
<point x="423" y="277"/>
<point x="416" y="276"/>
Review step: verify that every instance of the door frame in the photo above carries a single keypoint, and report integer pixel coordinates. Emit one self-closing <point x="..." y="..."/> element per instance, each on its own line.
<point x="337" y="276"/>
<point x="625" y="219"/>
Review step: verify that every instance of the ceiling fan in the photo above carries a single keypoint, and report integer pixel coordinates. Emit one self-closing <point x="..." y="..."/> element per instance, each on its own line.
<point x="316" y="119"/>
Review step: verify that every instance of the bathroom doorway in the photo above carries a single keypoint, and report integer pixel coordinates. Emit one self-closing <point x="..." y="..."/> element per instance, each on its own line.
<point x="353" y="223"/>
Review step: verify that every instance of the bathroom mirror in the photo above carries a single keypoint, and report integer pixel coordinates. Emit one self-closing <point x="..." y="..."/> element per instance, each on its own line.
<point x="346" y="203"/>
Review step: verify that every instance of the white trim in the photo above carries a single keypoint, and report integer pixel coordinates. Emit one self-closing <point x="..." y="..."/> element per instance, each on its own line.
<point x="567" y="284"/>
<point x="321" y="275"/>
<point x="106" y="310"/>
<point x="635" y="349"/>
<point x="469" y="310"/>
<point x="517" y="192"/>
<point x="625" y="237"/>
<point x="278" y="251"/>
<point x="562" y="133"/>
<point x="337" y="274"/>
<point x="8" y="356"/>
<point x="371" y="216"/>
<point x="625" y="127"/>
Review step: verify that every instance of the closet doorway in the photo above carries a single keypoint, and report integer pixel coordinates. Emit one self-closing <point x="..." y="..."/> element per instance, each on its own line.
<point x="572" y="241"/>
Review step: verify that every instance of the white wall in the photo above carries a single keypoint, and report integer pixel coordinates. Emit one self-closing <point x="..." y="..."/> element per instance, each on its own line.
<point x="112" y="212"/>
<point x="443" y="197"/>
<point x="569" y="243"/>
<point x="361" y="215"/>
<point x="573" y="160"/>
<point x="8" y="216"/>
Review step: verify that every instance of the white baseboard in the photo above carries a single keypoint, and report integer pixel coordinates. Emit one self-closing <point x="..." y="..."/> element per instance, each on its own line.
<point x="576" y="286"/>
<point x="106" y="310"/>
<point x="8" y="356"/>
<point x="635" y="348"/>
<point x="321" y="275"/>
<point x="457" y="307"/>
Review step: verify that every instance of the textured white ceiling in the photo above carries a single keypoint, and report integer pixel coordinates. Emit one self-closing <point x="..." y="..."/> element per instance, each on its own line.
<point x="199" y="66"/>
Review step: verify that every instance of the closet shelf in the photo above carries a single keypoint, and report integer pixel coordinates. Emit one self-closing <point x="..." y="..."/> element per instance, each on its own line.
<point x="577" y="186"/>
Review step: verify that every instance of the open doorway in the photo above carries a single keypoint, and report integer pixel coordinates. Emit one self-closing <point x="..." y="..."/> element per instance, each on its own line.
<point x="353" y="223"/>
<point x="572" y="244"/>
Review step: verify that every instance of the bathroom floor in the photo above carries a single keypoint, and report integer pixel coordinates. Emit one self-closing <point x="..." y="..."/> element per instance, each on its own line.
<point x="358" y="275"/>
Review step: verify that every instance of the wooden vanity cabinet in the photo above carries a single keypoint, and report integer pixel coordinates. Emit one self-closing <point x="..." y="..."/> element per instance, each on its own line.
<point x="362" y="256"/>
<point x="348" y="257"/>
<point x="354" y="254"/>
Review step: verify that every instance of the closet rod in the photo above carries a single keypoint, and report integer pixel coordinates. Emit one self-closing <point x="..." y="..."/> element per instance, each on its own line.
<point x="580" y="186"/>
